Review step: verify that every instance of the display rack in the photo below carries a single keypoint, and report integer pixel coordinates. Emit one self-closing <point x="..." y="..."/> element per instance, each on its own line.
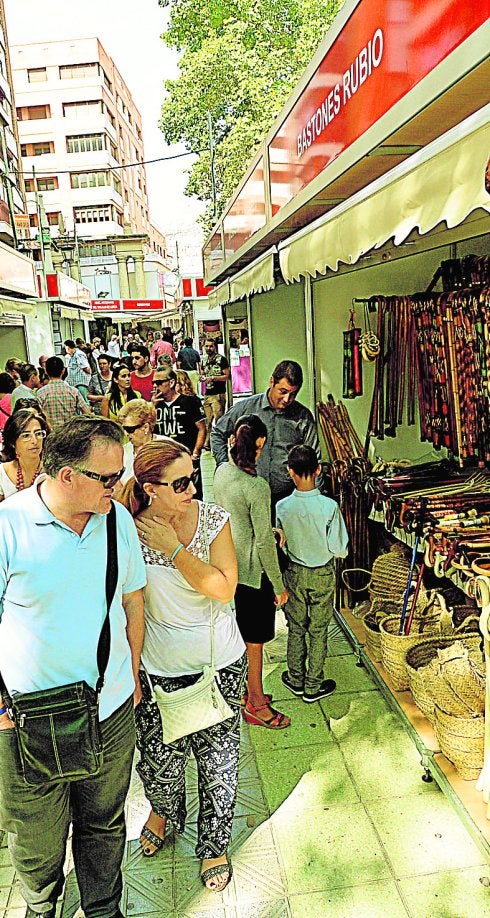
<point x="466" y="800"/>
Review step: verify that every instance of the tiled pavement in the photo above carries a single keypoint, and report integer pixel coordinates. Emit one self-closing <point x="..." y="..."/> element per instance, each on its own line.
<point x="332" y="821"/>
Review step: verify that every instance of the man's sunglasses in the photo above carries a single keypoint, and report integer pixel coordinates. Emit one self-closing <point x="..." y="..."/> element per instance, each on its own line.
<point x="107" y="480"/>
<point x="181" y="484"/>
<point x="130" y="428"/>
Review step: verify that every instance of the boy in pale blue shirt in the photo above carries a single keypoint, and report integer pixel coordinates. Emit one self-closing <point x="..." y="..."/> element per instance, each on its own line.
<point x="315" y="535"/>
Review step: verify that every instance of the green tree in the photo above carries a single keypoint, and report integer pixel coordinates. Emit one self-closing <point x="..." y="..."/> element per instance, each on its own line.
<point x="239" y="61"/>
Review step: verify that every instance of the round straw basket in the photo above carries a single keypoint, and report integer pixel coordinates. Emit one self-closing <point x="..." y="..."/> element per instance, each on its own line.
<point x="417" y="662"/>
<point x="394" y="646"/>
<point x="373" y="636"/>
<point x="455" y="678"/>
<point x="461" y="740"/>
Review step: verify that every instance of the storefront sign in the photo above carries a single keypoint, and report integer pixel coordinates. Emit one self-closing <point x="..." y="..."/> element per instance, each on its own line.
<point x="382" y="52"/>
<point x="107" y="305"/>
<point x="62" y="287"/>
<point x="17" y="272"/>
<point x="143" y="304"/>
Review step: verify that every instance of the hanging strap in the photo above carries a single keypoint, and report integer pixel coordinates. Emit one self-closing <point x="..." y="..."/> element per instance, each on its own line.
<point x="207" y="556"/>
<point x="104" y="645"/>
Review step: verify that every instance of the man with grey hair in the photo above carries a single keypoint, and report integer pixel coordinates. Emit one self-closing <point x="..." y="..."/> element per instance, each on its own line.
<point x="53" y="555"/>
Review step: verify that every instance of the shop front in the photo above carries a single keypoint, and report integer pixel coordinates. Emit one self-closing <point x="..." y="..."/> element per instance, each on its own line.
<point x="375" y="231"/>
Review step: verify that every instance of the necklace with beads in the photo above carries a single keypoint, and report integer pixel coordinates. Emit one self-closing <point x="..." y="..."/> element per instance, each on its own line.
<point x="20" y="483"/>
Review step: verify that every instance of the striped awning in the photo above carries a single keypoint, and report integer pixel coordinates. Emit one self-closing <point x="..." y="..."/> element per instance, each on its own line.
<point x="443" y="182"/>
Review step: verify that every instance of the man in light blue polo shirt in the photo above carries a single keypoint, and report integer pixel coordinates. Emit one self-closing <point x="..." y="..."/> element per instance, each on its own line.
<point x="53" y="551"/>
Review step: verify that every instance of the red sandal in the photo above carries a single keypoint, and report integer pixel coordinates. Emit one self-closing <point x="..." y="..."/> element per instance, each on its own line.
<point x="244" y="700"/>
<point x="251" y="716"/>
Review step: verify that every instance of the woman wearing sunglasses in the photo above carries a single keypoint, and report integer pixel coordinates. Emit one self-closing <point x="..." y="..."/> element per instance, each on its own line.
<point x="23" y="443"/>
<point x="191" y="569"/>
<point x="119" y="392"/>
<point x="137" y="418"/>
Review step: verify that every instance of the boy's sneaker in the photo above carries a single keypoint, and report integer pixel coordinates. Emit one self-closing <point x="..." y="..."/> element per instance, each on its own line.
<point x="327" y="687"/>
<point x="295" y="689"/>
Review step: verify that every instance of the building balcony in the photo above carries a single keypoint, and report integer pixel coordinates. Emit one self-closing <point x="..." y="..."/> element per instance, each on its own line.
<point x="106" y="194"/>
<point x="99" y="230"/>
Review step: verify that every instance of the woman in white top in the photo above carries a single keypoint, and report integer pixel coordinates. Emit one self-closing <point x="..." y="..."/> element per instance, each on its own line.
<point x="191" y="570"/>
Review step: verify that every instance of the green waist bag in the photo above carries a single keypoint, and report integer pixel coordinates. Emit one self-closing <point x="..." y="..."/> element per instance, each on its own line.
<point x="58" y="730"/>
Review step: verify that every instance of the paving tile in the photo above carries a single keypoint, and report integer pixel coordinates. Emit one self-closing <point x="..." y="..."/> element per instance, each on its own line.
<point x="348" y="676"/>
<point x="370" y="900"/>
<point x="422" y="839"/>
<point x="304" y="777"/>
<point x="308" y="727"/>
<point x="452" y="894"/>
<point x="278" y="909"/>
<point x="338" y="645"/>
<point x="147" y="882"/>
<point x="383" y="760"/>
<point x="332" y="846"/>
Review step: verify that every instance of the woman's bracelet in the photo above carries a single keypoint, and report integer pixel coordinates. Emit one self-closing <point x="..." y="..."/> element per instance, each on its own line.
<point x="176" y="551"/>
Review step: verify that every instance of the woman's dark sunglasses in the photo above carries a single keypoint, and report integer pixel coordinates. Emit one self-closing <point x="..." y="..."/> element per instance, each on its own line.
<point x="130" y="428"/>
<point x="181" y="484"/>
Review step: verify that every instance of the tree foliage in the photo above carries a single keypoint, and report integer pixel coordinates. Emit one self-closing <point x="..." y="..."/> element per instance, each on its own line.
<point x="239" y="61"/>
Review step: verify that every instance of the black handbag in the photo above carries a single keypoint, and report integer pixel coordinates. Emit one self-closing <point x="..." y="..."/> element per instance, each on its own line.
<point x="58" y="729"/>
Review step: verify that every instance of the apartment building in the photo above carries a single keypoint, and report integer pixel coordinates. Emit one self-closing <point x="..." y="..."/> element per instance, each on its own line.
<point x="78" y="129"/>
<point x="11" y="189"/>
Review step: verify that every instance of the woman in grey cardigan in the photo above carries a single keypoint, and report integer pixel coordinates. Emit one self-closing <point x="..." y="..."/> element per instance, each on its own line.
<point x="247" y="497"/>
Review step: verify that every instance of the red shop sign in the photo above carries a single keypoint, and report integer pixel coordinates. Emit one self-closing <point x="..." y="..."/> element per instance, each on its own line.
<point x="108" y="305"/>
<point x="143" y="304"/>
<point x="382" y="52"/>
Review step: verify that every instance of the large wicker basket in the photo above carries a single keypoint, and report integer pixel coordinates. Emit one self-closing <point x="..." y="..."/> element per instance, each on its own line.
<point x="455" y="678"/>
<point x="386" y="590"/>
<point x="394" y="646"/>
<point x="461" y="740"/>
<point x="418" y="660"/>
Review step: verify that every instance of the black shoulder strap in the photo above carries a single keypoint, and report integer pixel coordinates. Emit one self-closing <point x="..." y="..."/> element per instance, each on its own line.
<point x="104" y="645"/>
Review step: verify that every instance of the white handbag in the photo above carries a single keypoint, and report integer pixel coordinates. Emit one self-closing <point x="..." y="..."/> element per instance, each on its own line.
<point x="196" y="707"/>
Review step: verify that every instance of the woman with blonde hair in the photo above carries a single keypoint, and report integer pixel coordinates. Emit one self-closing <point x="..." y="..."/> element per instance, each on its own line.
<point x="137" y="418"/>
<point x="184" y="383"/>
<point x="191" y="577"/>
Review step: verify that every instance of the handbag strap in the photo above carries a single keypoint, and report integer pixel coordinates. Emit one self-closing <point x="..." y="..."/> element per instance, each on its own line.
<point x="104" y="644"/>
<point x="207" y="554"/>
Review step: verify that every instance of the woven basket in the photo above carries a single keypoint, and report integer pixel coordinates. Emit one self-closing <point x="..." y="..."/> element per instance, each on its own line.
<point x="394" y="646"/>
<point x="461" y="740"/>
<point x="417" y="662"/>
<point x="389" y="580"/>
<point x="373" y="637"/>
<point x="455" y="678"/>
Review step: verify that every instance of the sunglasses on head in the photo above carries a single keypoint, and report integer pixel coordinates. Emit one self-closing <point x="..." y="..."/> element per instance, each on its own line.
<point x="107" y="480"/>
<point x="181" y="484"/>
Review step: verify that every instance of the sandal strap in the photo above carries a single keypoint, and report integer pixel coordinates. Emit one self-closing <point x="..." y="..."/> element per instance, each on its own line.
<point x="216" y="870"/>
<point x="150" y="836"/>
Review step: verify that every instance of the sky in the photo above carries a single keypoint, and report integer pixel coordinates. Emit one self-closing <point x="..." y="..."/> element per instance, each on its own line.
<point x="130" y="32"/>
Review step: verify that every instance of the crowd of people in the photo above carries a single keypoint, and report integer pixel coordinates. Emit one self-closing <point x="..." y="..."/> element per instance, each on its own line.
<point x="198" y="587"/>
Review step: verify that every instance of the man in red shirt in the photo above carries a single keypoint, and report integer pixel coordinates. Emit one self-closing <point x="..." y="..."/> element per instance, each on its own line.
<point x="162" y="346"/>
<point x="142" y="375"/>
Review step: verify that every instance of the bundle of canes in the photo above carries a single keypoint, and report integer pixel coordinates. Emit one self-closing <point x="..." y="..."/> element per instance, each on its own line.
<point x="341" y="439"/>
